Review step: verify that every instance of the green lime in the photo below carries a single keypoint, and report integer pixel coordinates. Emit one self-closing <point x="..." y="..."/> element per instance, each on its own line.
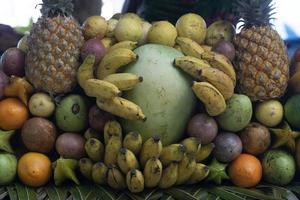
<point x="292" y="110"/>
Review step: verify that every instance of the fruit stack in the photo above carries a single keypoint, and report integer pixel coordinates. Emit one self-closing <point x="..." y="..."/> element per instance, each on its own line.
<point x="111" y="101"/>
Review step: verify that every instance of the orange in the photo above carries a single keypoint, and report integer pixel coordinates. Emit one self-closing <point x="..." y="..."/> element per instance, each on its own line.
<point x="34" y="169"/>
<point x="245" y="171"/>
<point x="13" y="114"/>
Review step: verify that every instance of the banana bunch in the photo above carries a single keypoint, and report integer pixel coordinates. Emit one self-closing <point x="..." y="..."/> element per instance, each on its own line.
<point x="128" y="162"/>
<point x="213" y="72"/>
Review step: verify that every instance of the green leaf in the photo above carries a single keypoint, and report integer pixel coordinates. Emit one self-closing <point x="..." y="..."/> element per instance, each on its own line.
<point x="83" y="192"/>
<point x="249" y="193"/>
<point x="12" y="192"/>
<point x="56" y="193"/>
<point x="166" y="197"/>
<point x="226" y="195"/>
<point x="25" y="192"/>
<point x="123" y="196"/>
<point x="3" y="192"/>
<point x="180" y="194"/>
<point x="200" y="193"/>
<point x="104" y="193"/>
<point x="295" y="188"/>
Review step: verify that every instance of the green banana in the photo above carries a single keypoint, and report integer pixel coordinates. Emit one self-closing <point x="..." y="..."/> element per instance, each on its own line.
<point x="115" y="178"/>
<point x="99" y="173"/>
<point x="94" y="149"/>
<point x="151" y="148"/>
<point x="169" y="176"/>
<point x="201" y="172"/>
<point x="204" y="152"/>
<point x="191" y="145"/>
<point x="135" y="181"/>
<point x="85" y="167"/>
<point x="65" y="169"/>
<point x="186" y="168"/>
<point x="5" y="140"/>
<point x="152" y="172"/>
<point x="127" y="160"/>
<point x="124" y="81"/>
<point x="111" y="150"/>
<point x="112" y="128"/>
<point x="173" y="152"/>
<point x="133" y="141"/>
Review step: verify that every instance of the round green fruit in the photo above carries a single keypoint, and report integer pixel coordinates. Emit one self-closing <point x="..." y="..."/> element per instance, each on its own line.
<point x="71" y="113"/>
<point x="278" y="167"/>
<point x="8" y="166"/>
<point x="165" y="95"/>
<point x="237" y="115"/>
<point x="269" y="112"/>
<point x="292" y="110"/>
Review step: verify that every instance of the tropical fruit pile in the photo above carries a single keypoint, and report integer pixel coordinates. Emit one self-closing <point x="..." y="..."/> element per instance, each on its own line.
<point x="130" y="104"/>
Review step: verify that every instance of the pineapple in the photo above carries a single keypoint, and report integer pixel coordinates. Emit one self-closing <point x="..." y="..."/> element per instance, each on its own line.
<point x="54" y="48"/>
<point x="261" y="56"/>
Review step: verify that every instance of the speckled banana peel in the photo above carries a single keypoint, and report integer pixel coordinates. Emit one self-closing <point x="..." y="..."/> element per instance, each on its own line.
<point x="124" y="44"/>
<point x="135" y="181"/>
<point x="126" y="160"/>
<point x="124" y="81"/>
<point x="200" y="172"/>
<point x="171" y="153"/>
<point x="86" y="70"/>
<point x="192" y="145"/>
<point x="152" y="147"/>
<point x="112" y="149"/>
<point x="133" y="141"/>
<point x="169" y="176"/>
<point x="189" y="47"/>
<point x="186" y="168"/>
<point x="115" y="178"/>
<point x="152" y="172"/>
<point x="101" y="89"/>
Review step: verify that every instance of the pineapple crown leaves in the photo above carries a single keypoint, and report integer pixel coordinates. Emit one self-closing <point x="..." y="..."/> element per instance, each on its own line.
<point x="254" y="12"/>
<point x="52" y="8"/>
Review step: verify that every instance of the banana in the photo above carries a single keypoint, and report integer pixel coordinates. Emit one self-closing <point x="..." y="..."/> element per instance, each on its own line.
<point x="91" y="133"/>
<point x="220" y="62"/>
<point x="135" y="181"/>
<point x="94" y="149"/>
<point x="152" y="172"/>
<point x="122" y="108"/>
<point x="86" y="70"/>
<point x="112" y="128"/>
<point x="191" y="65"/>
<point x="85" y="167"/>
<point x="177" y="47"/>
<point x="186" y="168"/>
<point x="113" y="60"/>
<point x="101" y="89"/>
<point x="124" y="81"/>
<point x="204" y="152"/>
<point x="189" y="47"/>
<point x="169" y="176"/>
<point x="171" y="153"/>
<point x="108" y="42"/>
<point x="124" y="44"/>
<point x="126" y="160"/>
<point x="115" y="178"/>
<point x="211" y="97"/>
<point x="201" y="172"/>
<point x="206" y="48"/>
<point x="112" y="148"/>
<point x="219" y="79"/>
<point x="151" y="148"/>
<point x="133" y="141"/>
<point x="99" y="173"/>
<point x="191" y="145"/>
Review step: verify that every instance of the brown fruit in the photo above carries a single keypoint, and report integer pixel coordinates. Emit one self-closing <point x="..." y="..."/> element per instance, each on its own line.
<point x="3" y="83"/>
<point x="294" y="82"/>
<point x="255" y="138"/>
<point x="296" y="56"/>
<point x="70" y="145"/>
<point x="294" y="68"/>
<point x="98" y="118"/>
<point x="226" y="48"/>
<point x="39" y="134"/>
<point x="13" y="62"/>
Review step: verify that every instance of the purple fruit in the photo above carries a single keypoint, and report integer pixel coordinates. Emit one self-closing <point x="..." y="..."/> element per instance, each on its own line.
<point x="13" y="62"/>
<point x="226" y="48"/>
<point x="202" y="127"/>
<point x="98" y="118"/>
<point x="3" y="83"/>
<point x="93" y="46"/>
<point x="228" y="146"/>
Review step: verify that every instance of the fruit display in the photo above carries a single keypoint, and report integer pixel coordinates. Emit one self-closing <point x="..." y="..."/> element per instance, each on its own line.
<point x="123" y="106"/>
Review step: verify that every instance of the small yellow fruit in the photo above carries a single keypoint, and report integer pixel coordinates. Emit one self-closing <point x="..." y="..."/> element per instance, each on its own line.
<point x="41" y="104"/>
<point x="145" y="29"/>
<point x="111" y="25"/>
<point x="94" y="26"/>
<point x="162" y="32"/>
<point x="269" y="112"/>
<point x="128" y="28"/>
<point x="192" y="26"/>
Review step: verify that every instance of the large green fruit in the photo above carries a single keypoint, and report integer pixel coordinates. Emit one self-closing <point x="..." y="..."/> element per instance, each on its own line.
<point x="8" y="166"/>
<point x="165" y="95"/>
<point x="291" y="111"/>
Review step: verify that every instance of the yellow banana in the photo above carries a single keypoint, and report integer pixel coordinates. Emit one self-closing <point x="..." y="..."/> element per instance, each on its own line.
<point x="99" y="173"/>
<point x="135" y="181"/>
<point x="191" y="65"/>
<point x="86" y="70"/>
<point x="112" y="148"/>
<point x="133" y="141"/>
<point x="112" y="128"/>
<point x="113" y="60"/>
<point x="169" y="176"/>
<point x="152" y="172"/>
<point x="204" y="152"/>
<point x="108" y="42"/>
<point x="173" y="152"/>
<point x="206" y="48"/>
<point x="122" y="108"/>
<point x="211" y="97"/>
<point x="85" y="167"/>
<point x="220" y="62"/>
<point x="101" y="89"/>
<point x="115" y="178"/>
<point x="124" y="81"/>
<point x="127" y="160"/>
<point x="177" y="47"/>
<point x="111" y="25"/>
<point x="189" y="47"/>
<point x="220" y="80"/>
<point x="94" y="149"/>
<point x="191" y="145"/>
<point x="127" y="44"/>
<point x="200" y="172"/>
<point x="151" y="148"/>
<point x="186" y="168"/>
